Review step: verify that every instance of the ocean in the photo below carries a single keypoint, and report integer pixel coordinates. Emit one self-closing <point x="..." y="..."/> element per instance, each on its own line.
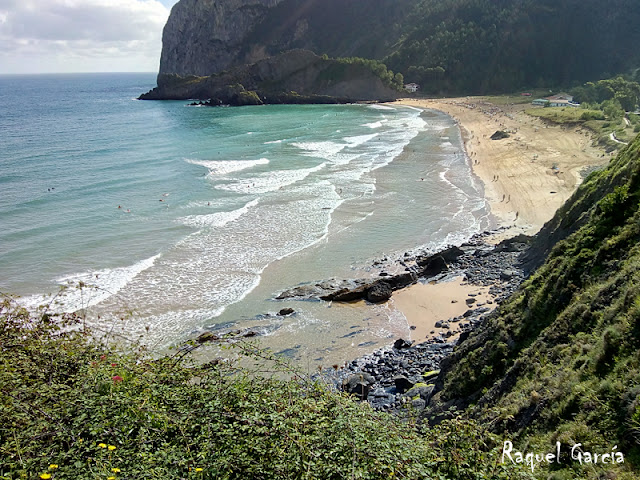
<point x="172" y="220"/>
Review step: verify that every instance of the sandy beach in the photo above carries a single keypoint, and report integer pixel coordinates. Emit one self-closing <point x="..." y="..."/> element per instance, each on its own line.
<point x="527" y="177"/>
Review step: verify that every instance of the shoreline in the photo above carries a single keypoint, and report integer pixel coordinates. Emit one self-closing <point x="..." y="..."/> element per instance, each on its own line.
<point x="518" y="172"/>
<point x="527" y="178"/>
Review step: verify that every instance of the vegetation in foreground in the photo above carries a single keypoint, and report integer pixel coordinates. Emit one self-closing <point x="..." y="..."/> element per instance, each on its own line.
<point x="75" y="408"/>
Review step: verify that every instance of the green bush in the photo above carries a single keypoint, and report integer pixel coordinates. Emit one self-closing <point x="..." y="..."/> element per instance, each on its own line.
<point x="592" y="115"/>
<point x="74" y="407"/>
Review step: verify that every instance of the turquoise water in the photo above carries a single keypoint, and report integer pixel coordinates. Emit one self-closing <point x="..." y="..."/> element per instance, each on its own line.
<point x="189" y="218"/>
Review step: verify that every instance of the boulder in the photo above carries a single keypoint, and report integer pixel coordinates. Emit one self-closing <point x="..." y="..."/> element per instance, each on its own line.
<point x="286" y="311"/>
<point x="508" y="274"/>
<point x="379" y="292"/>
<point x="402" y="343"/>
<point x="207" y="337"/>
<point x="451" y="254"/>
<point x="499" y="135"/>
<point x="358" y="384"/>
<point x="402" y="383"/>
<point x="346" y="294"/>
<point x="431" y="375"/>
<point x="433" y="265"/>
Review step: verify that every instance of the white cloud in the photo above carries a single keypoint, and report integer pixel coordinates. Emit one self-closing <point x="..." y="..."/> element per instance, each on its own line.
<point x="80" y="35"/>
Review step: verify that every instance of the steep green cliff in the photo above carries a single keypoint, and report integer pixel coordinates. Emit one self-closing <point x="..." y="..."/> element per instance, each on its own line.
<point x="560" y="360"/>
<point x="465" y="46"/>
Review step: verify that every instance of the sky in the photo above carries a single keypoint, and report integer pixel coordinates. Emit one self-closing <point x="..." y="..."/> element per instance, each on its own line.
<point x="64" y="36"/>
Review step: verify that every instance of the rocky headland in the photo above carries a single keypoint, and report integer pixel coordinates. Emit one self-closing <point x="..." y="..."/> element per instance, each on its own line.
<point x="293" y="77"/>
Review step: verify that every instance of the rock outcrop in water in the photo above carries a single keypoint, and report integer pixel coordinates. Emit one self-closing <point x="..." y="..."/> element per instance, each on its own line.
<point x="297" y="76"/>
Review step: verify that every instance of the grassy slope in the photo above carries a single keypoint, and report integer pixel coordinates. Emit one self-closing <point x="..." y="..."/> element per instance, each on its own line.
<point x="561" y="360"/>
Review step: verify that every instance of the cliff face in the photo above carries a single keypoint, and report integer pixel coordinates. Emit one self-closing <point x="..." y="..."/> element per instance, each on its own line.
<point x="202" y="37"/>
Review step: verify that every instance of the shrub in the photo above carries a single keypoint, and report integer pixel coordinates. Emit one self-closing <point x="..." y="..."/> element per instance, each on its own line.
<point x="73" y="402"/>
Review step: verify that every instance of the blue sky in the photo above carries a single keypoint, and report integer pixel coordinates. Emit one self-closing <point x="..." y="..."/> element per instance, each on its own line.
<point x="59" y="36"/>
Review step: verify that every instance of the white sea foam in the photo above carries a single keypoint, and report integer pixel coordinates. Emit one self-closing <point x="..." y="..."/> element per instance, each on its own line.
<point x="224" y="167"/>
<point x="353" y="142"/>
<point x="320" y="149"/>
<point x="380" y="107"/>
<point x="273" y="141"/>
<point x="218" y="219"/>
<point x="269" y="181"/>
<point x="87" y="289"/>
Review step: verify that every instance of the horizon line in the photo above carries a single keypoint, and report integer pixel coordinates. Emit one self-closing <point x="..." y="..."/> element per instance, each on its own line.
<point x="67" y="73"/>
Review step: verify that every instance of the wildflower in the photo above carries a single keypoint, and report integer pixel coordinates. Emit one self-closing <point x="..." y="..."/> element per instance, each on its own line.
<point x="115" y="470"/>
<point x="53" y="466"/>
<point x="103" y="357"/>
<point x="199" y="469"/>
<point x="114" y="364"/>
<point x="117" y="378"/>
<point x="102" y="445"/>
<point x="111" y="447"/>
<point x="45" y="476"/>
<point x="111" y="478"/>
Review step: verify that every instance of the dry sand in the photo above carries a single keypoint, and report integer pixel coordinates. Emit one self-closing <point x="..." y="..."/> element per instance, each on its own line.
<point x="424" y="304"/>
<point x="527" y="177"/>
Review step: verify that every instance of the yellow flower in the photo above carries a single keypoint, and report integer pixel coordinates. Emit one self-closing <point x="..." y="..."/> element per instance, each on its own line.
<point x="115" y="470"/>
<point x="53" y="466"/>
<point x="199" y="469"/>
<point x="45" y="476"/>
<point x="102" y="445"/>
<point x="111" y="478"/>
<point x="111" y="447"/>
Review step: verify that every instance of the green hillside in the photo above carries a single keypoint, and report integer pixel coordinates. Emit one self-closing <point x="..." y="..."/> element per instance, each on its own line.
<point x="560" y="361"/>
<point x="476" y="46"/>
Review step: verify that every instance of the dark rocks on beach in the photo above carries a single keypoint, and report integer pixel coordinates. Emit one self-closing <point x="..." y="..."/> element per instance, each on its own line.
<point x="508" y="274"/>
<point x="401" y="376"/>
<point x="207" y="337"/>
<point x="397" y="375"/>
<point x="499" y="135"/>
<point x="435" y="265"/>
<point x="402" y="383"/>
<point x="379" y="292"/>
<point x="402" y="343"/>
<point x="358" y="384"/>
<point x="286" y="311"/>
